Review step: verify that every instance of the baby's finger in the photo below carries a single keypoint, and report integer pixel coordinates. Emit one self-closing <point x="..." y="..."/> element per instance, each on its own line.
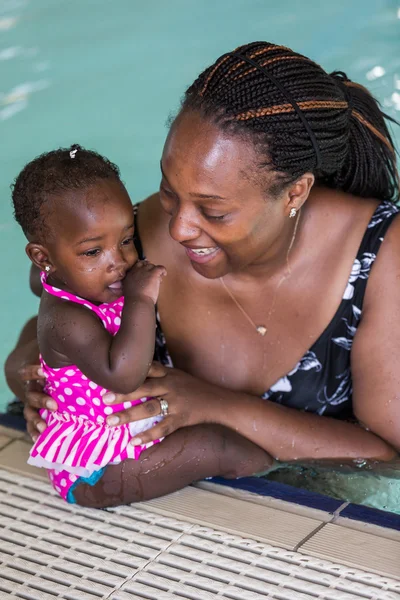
<point x="159" y="431"/>
<point x="157" y="370"/>
<point x="162" y="271"/>
<point x="29" y="372"/>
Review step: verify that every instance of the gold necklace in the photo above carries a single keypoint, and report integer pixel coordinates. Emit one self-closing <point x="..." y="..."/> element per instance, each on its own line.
<point x="262" y="329"/>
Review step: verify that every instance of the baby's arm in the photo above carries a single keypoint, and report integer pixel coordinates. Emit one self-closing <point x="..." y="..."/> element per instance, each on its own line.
<point x="119" y="363"/>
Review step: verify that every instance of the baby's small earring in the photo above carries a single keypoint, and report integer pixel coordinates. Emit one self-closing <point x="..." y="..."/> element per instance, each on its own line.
<point x="292" y="213"/>
<point x="47" y="268"/>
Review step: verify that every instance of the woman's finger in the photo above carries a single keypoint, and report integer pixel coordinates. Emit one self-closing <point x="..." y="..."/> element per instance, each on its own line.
<point x="157" y="432"/>
<point x="150" y="408"/>
<point x="35" y="424"/>
<point x="151" y="387"/>
<point x="29" y="372"/>
<point x="34" y="385"/>
<point x="38" y="400"/>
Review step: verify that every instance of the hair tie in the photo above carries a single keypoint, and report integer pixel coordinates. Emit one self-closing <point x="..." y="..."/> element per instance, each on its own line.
<point x="73" y="153"/>
<point x="288" y="97"/>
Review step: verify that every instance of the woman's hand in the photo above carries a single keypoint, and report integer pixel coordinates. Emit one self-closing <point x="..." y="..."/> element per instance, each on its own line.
<point x="190" y="402"/>
<point x="33" y="378"/>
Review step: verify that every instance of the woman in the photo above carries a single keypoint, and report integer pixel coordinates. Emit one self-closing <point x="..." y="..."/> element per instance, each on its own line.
<point x="280" y="312"/>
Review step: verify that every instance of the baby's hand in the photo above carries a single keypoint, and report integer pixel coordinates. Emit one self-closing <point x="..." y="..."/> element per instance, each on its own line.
<point x="143" y="280"/>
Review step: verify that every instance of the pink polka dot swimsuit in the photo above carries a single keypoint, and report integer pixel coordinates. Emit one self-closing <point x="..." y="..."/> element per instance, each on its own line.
<point x="78" y="444"/>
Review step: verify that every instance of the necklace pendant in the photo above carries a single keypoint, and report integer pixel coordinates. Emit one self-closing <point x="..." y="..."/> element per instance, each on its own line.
<point x="261" y="330"/>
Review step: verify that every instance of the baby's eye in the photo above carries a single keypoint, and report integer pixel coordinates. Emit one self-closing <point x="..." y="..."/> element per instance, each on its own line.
<point x="127" y="241"/>
<point x="93" y="252"/>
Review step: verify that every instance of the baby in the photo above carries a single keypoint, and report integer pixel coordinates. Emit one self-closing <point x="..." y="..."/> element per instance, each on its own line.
<point x="96" y="325"/>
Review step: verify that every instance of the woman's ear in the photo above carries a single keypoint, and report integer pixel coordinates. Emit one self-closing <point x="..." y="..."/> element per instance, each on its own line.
<point x="299" y="191"/>
<point x="39" y="255"/>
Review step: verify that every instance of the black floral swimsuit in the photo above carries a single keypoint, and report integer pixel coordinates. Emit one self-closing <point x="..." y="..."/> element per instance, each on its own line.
<point x="321" y="381"/>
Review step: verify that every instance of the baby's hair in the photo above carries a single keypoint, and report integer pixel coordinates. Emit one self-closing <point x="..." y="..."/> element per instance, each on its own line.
<point x="51" y="174"/>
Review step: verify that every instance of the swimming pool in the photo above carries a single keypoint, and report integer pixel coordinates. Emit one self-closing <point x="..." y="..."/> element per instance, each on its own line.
<point x="107" y="75"/>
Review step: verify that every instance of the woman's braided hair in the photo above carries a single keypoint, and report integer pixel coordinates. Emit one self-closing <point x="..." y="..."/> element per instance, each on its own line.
<point x="341" y="135"/>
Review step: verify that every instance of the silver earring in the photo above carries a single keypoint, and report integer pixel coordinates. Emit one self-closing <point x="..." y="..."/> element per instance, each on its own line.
<point x="47" y="268"/>
<point x="292" y="213"/>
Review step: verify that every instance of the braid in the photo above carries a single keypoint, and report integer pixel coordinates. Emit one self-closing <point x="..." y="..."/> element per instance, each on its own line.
<point x="339" y="120"/>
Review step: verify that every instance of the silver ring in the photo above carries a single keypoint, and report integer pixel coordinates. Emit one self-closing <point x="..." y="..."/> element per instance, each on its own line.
<point x="163" y="406"/>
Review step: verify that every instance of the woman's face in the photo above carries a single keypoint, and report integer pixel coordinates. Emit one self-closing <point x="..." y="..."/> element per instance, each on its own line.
<point x="219" y="210"/>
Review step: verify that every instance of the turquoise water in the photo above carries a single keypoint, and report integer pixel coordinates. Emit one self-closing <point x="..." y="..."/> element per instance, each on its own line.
<point x="108" y="74"/>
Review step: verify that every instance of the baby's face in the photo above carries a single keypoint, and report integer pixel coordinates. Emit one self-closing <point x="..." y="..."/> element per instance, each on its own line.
<point x="93" y="241"/>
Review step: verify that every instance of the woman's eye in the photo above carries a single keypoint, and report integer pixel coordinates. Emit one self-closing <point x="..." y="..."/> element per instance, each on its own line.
<point x="165" y="191"/>
<point x="128" y="240"/>
<point x="215" y="218"/>
<point x="94" y="252"/>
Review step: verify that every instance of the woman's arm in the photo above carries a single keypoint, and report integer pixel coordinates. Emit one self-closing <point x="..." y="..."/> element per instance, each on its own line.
<point x="376" y="347"/>
<point x="285" y="433"/>
<point x="26" y="352"/>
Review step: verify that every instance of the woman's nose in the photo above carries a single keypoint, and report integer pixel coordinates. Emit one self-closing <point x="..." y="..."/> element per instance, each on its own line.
<point x="183" y="227"/>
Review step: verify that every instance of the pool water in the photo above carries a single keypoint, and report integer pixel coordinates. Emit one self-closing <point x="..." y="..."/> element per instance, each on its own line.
<point x="375" y="486"/>
<point x="108" y="74"/>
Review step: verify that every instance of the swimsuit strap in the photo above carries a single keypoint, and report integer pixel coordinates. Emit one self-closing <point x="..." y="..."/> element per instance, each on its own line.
<point x="378" y="225"/>
<point x="63" y="295"/>
<point x="371" y="242"/>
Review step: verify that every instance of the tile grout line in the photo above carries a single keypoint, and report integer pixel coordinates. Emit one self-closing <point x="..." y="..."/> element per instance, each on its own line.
<point x="338" y="511"/>
<point x="154" y="558"/>
<point x="10" y="441"/>
<point x="332" y="520"/>
<point x="310" y="535"/>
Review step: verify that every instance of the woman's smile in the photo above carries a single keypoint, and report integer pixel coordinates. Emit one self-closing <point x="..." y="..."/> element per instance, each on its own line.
<point x="202" y="255"/>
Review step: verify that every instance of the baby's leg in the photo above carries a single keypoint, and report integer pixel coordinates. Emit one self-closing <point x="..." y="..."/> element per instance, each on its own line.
<point x="188" y="455"/>
<point x="64" y="482"/>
